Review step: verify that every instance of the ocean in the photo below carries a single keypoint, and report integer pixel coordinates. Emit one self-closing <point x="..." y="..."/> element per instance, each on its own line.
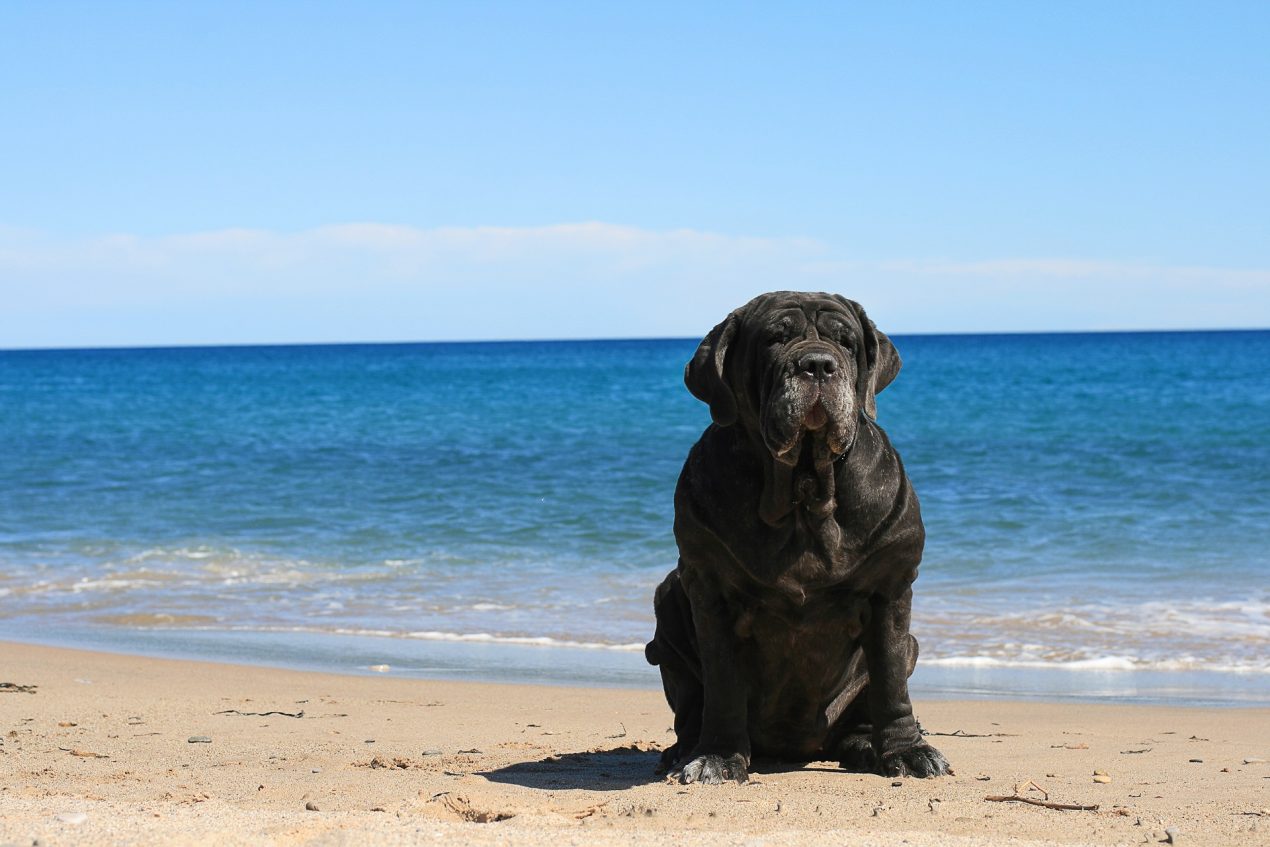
<point x="1096" y="507"/>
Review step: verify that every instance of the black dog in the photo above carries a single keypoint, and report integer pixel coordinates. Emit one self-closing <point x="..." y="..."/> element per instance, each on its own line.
<point x="783" y="633"/>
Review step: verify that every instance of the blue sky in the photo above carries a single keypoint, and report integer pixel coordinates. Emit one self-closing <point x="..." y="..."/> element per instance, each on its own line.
<point x="177" y="173"/>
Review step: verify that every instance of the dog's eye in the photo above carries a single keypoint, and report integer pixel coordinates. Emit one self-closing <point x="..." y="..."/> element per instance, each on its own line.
<point x="778" y="334"/>
<point x="841" y="334"/>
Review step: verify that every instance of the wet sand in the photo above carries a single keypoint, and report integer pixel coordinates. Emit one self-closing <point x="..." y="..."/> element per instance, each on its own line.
<point x="108" y="749"/>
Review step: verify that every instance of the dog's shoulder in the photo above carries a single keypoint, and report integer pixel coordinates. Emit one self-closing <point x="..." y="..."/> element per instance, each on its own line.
<point x="873" y="488"/>
<point x="723" y="466"/>
<point x="716" y="499"/>
<point x="874" y="493"/>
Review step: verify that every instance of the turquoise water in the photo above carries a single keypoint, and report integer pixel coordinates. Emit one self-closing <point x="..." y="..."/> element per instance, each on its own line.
<point x="1095" y="503"/>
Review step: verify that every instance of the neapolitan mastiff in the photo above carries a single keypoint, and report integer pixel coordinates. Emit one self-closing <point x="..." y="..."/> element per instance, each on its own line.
<point x="783" y="632"/>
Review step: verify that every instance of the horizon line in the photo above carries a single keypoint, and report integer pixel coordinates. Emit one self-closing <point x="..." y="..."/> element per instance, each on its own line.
<point x="248" y="345"/>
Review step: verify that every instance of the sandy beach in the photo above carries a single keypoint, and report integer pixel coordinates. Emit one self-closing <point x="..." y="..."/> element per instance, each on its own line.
<point x="109" y="749"/>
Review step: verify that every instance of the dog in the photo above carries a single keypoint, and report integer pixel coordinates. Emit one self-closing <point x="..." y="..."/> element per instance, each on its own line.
<point x="783" y="632"/>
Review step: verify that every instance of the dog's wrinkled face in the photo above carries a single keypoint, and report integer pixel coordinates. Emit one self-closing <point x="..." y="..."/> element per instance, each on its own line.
<point x="803" y="362"/>
<point x="789" y="365"/>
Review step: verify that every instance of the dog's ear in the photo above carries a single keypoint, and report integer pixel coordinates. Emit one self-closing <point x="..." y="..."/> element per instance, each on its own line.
<point x="876" y="365"/>
<point x="886" y="363"/>
<point x="704" y="373"/>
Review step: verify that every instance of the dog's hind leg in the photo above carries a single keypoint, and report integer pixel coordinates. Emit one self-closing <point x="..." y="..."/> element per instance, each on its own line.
<point x="674" y="651"/>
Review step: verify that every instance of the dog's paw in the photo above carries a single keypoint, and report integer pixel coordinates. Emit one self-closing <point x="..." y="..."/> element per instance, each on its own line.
<point x="713" y="770"/>
<point x="921" y="760"/>
<point x="667" y="761"/>
<point x="856" y="754"/>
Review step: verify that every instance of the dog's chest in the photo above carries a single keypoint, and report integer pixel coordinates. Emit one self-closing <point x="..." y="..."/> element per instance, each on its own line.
<point x="786" y="626"/>
<point x="803" y="559"/>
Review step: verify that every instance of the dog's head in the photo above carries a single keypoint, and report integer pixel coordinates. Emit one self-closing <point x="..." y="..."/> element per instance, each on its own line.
<point x="791" y="364"/>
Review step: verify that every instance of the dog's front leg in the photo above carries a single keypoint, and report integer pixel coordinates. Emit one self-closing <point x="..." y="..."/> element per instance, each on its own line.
<point x="723" y="750"/>
<point x="897" y="739"/>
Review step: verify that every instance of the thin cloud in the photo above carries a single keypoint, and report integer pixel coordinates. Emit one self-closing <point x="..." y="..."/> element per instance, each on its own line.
<point x="25" y="250"/>
<point x="1083" y="269"/>
<point x="373" y="281"/>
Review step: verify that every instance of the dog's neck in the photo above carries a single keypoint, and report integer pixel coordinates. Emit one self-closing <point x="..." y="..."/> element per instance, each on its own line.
<point x="809" y="484"/>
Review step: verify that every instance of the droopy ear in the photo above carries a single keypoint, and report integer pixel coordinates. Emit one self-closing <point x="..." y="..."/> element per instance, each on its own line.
<point x="886" y="365"/>
<point x="704" y="374"/>
<point x="881" y="362"/>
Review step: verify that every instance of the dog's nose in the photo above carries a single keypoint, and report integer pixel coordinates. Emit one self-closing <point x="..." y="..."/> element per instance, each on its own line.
<point x="819" y="365"/>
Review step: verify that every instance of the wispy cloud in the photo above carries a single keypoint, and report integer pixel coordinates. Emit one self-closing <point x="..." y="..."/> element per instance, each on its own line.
<point x="374" y="281"/>
<point x="1038" y="294"/>
<point x="1074" y="269"/>
<point x="379" y="281"/>
<point x="410" y="249"/>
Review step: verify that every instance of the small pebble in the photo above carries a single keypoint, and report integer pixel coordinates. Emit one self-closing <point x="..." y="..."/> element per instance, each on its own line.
<point x="317" y="770"/>
<point x="311" y="806"/>
<point x="200" y="739"/>
<point x="1171" y="836"/>
<point x="1197" y="761"/>
<point x="897" y="783"/>
<point x="1101" y="777"/>
<point x="73" y="818"/>
<point x="1254" y="761"/>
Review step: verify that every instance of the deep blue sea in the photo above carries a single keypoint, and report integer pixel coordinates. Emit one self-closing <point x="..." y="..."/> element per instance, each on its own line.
<point x="1097" y="506"/>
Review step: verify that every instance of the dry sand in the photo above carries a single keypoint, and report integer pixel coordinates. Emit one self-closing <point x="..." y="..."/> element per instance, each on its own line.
<point x="107" y="750"/>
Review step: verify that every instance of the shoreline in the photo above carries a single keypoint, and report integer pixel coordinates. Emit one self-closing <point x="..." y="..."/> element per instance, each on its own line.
<point x="107" y="749"/>
<point x="495" y="661"/>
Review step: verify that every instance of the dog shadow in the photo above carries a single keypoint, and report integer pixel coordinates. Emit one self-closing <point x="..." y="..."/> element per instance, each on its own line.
<point x="616" y="770"/>
<point x="598" y="770"/>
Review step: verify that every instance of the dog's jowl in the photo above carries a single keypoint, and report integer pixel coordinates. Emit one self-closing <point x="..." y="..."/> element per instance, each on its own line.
<point x="783" y="632"/>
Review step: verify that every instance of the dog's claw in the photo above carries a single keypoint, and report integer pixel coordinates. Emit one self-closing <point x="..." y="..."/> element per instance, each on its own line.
<point x="712" y="769"/>
<point x="920" y="760"/>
